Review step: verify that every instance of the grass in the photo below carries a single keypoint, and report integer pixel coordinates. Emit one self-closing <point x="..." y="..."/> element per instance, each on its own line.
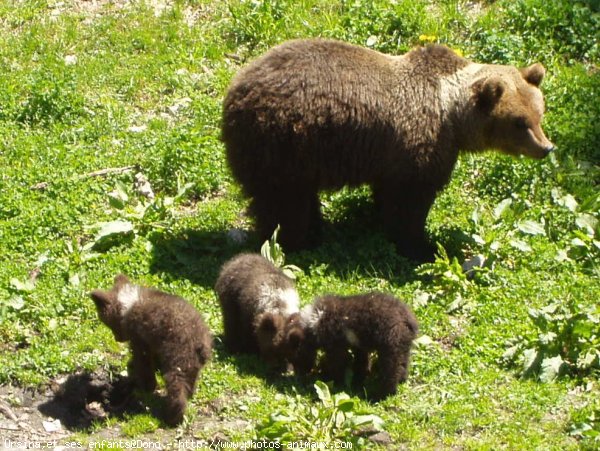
<point x="94" y="85"/>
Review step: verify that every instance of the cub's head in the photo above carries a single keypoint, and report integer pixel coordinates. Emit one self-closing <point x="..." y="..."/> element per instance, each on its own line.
<point x="508" y="110"/>
<point x="299" y="345"/>
<point x="269" y="329"/>
<point x="113" y="304"/>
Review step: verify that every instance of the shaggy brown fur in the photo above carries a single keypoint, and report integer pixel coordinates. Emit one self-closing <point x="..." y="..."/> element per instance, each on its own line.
<point x="316" y="114"/>
<point x="164" y="331"/>
<point x="256" y="298"/>
<point x="372" y="322"/>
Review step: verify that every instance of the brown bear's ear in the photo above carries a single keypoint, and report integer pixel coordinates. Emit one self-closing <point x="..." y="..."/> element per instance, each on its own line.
<point x="488" y="91"/>
<point x="269" y="323"/>
<point x="533" y="74"/>
<point x="101" y="298"/>
<point x="121" y="280"/>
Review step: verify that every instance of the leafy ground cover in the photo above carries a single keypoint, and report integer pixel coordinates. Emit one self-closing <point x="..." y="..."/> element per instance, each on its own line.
<point x="111" y="162"/>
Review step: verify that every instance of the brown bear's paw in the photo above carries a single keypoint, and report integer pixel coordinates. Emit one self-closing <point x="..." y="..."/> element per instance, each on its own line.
<point x="175" y="409"/>
<point x="420" y="251"/>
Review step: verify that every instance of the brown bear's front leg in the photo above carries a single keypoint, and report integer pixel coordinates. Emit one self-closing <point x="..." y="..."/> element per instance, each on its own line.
<point x="393" y="370"/>
<point x="296" y="211"/>
<point x="337" y="360"/>
<point x="361" y="367"/>
<point x="232" y="327"/>
<point x="142" y="367"/>
<point x="404" y="209"/>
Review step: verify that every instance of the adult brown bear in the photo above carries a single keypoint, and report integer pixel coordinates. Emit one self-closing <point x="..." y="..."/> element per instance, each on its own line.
<point x="314" y="115"/>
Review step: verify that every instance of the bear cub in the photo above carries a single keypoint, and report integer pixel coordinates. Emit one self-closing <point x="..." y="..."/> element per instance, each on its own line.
<point x="164" y="331"/>
<point x="256" y="299"/>
<point x="348" y="329"/>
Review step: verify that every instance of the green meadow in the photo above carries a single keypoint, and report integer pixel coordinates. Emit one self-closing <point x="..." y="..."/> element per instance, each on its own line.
<point x="98" y="98"/>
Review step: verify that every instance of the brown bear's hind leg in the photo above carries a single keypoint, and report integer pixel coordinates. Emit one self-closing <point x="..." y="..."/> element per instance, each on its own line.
<point x="404" y="210"/>
<point x="180" y="386"/>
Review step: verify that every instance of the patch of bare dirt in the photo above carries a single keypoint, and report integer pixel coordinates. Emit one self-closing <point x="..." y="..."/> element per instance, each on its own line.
<point x="78" y="403"/>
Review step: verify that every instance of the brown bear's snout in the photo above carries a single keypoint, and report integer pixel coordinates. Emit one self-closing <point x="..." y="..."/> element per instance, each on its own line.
<point x="549" y="149"/>
<point x="538" y="146"/>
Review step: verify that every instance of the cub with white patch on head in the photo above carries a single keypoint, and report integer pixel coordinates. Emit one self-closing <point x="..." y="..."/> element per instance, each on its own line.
<point x="349" y="329"/>
<point x="256" y="299"/>
<point x="164" y="331"/>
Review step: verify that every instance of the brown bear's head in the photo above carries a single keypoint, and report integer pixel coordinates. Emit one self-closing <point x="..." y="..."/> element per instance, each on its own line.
<point x="269" y="329"/>
<point x="299" y="345"/>
<point x="509" y="108"/>
<point x="109" y="304"/>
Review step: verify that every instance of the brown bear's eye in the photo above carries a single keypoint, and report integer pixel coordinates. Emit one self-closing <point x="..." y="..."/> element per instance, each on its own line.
<point x="521" y="123"/>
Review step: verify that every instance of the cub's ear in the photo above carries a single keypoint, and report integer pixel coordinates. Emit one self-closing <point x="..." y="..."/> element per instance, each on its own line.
<point x="101" y="298"/>
<point x="488" y="91"/>
<point x="121" y="280"/>
<point x="269" y="323"/>
<point x="533" y="74"/>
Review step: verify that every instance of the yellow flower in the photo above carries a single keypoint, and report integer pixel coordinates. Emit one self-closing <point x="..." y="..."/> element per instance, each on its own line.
<point x="427" y="38"/>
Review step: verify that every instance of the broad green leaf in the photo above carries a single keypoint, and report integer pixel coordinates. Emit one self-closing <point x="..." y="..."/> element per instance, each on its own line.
<point x="562" y="256"/>
<point x="74" y="280"/>
<point x="550" y="368"/>
<point x="510" y="353"/>
<point x="364" y="420"/>
<point x="282" y="418"/>
<point x="323" y="392"/>
<point x="584" y="328"/>
<point x="265" y="251"/>
<point x="16" y="302"/>
<point x="475" y="216"/>
<point x="530" y="357"/>
<point x="42" y="259"/>
<point x="588" y="359"/>
<point x="547" y="338"/>
<point x="26" y="286"/>
<point x="478" y="239"/>
<point x="346" y="405"/>
<point x="568" y="201"/>
<point x="118" y="198"/>
<point x="521" y="245"/>
<point x="183" y="189"/>
<point x="587" y="222"/>
<point x="531" y="227"/>
<point x="371" y="41"/>
<point x="424" y="340"/>
<point x="502" y="207"/>
<point x="118" y="227"/>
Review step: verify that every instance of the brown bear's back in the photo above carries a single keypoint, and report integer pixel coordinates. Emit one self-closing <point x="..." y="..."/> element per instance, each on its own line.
<point x="373" y="319"/>
<point x="326" y="113"/>
<point x="165" y="322"/>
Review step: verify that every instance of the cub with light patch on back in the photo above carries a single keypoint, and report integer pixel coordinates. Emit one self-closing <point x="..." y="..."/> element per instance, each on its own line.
<point x="256" y="299"/>
<point x="349" y="329"/>
<point x="165" y="332"/>
<point x="316" y="114"/>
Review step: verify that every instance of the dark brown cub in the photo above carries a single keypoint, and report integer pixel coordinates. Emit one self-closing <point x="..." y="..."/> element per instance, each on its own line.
<point x="165" y="333"/>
